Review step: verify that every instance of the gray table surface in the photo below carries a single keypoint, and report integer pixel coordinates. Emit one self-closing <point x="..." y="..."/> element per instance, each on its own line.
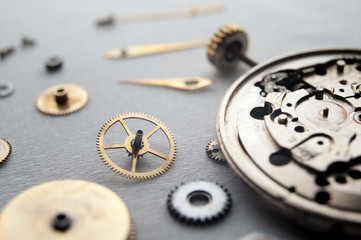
<point x="47" y="148"/>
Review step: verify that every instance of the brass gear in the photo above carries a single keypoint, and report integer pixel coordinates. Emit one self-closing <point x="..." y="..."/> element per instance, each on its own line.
<point x="5" y="150"/>
<point x="66" y="209"/>
<point x="217" y="51"/>
<point x="127" y="144"/>
<point x="62" y="99"/>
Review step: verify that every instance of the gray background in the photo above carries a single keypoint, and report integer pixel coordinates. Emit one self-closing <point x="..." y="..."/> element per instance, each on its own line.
<point x="47" y="148"/>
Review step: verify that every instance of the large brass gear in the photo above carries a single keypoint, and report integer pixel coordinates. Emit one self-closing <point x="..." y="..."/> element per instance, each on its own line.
<point x="230" y="35"/>
<point x="67" y="210"/>
<point x="5" y="150"/>
<point x="127" y="144"/>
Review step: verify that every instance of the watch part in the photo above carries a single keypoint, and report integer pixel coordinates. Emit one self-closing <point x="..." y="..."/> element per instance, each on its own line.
<point x="137" y="144"/>
<point x="199" y="202"/>
<point x="291" y="128"/>
<point x="6" y="52"/>
<point x="53" y="64"/>
<point x="65" y="209"/>
<point x="214" y="151"/>
<point x="228" y="46"/>
<point x="170" y="14"/>
<point x="5" y="150"/>
<point x="190" y="83"/>
<point x="6" y="89"/>
<point x="141" y="50"/>
<point x="62" y="99"/>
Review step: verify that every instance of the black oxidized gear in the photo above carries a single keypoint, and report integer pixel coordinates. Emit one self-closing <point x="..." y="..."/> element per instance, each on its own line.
<point x="230" y="34"/>
<point x="214" y="151"/>
<point x="199" y="202"/>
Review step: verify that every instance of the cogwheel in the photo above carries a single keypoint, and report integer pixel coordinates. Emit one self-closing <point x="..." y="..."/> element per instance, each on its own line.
<point x="62" y="99"/>
<point x="225" y="46"/>
<point x="199" y="202"/>
<point x="130" y="145"/>
<point x="5" y="150"/>
<point x="214" y="151"/>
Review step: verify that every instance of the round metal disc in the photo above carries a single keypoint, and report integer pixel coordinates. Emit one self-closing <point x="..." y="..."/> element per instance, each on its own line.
<point x="62" y="99"/>
<point x="93" y="211"/>
<point x="5" y="150"/>
<point x="291" y="128"/>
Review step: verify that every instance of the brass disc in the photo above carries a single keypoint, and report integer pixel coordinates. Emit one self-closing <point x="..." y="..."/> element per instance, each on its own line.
<point x="5" y="150"/>
<point x="94" y="211"/>
<point x="62" y="99"/>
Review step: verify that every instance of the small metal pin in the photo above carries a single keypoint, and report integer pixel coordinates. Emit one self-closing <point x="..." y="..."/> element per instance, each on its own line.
<point x="137" y="144"/>
<point x="340" y="65"/>
<point x="319" y="93"/>
<point x="325" y="112"/>
<point x="6" y="52"/>
<point x="282" y="119"/>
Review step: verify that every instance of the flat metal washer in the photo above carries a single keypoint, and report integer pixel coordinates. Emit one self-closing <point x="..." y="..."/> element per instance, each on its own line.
<point x="6" y="89"/>
<point x="215" y="202"/>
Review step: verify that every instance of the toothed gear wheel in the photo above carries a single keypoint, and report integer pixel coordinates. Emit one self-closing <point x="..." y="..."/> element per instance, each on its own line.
<point x="5" y="150"/>
<point x="230" y="35"/>
<point x="146" y="146"/>
<point x="214" y="151"/>
<point x="199" y="202"/>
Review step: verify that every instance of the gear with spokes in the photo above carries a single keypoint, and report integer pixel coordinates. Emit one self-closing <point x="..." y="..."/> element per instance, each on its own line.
<point x="137" y="145"/>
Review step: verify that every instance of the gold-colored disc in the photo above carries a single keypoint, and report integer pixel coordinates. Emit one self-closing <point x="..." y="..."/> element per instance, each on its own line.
<point x="93" y="211"/>
<point x="5" y="150"/>
<point x="127" y="144"/>
<point x="62" y="99"/>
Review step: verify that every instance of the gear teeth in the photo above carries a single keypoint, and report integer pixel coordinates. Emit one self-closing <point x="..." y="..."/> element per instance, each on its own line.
<point x="7" y="150"/>
<point x="198" y="220"/>
<point x="214" y="151"/>
<point x="229" y="33"/>
<point x="128" y="174"/>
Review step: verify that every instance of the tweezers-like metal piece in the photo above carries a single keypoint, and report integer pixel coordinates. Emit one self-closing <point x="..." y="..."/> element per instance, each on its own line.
<point x="189" y="83"/>
<point x="170" y="14"/>
<point x="140" y="50"/>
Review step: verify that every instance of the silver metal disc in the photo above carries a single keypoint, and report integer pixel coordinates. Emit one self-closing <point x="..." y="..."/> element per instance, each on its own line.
<point x="291" y="128"/>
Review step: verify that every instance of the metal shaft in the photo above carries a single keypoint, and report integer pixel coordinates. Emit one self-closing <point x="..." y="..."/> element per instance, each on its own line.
<point x="137" y="144"/>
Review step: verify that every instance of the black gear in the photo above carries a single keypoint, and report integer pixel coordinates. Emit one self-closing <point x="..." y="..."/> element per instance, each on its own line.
<point x="214" y="151"/>
<point x="199" y="202"/>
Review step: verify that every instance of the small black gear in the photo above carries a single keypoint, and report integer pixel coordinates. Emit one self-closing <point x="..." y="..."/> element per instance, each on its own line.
<point x="214" y="151"/>
<point x="199" y="202"/>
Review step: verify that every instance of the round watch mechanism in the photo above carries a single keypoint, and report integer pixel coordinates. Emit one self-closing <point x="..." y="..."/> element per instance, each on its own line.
<point x="5" y="150"/>
<point x="66" y="209"/>
<point x="291" y="128"/>
<point x="199" y="202"/>
<point x="141" y="134"/>
<point x="62" y="99"/>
